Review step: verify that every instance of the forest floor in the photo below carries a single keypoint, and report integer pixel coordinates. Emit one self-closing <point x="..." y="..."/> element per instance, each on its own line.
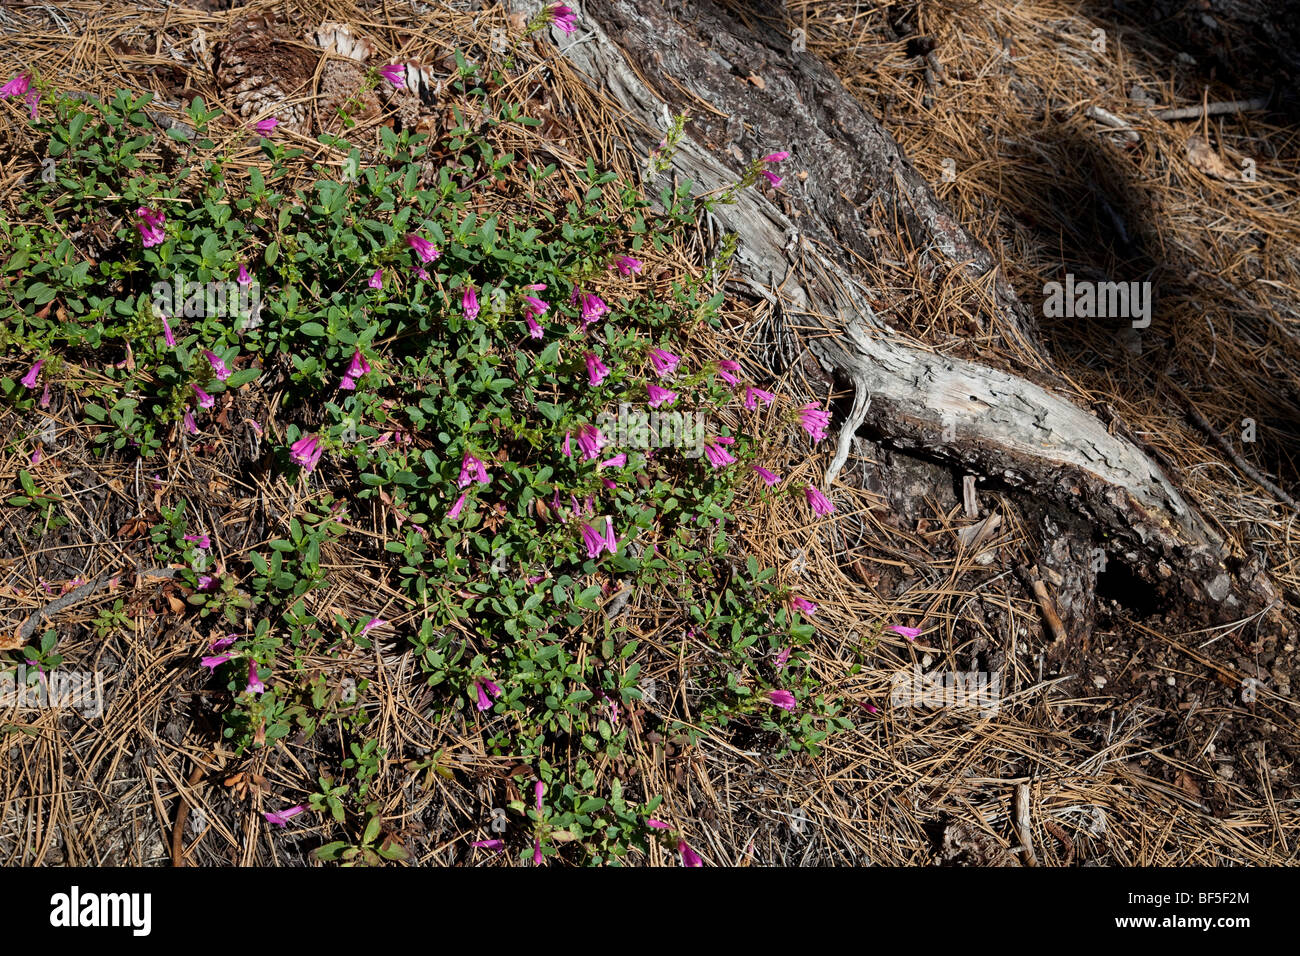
<point x="1149" y="739"/>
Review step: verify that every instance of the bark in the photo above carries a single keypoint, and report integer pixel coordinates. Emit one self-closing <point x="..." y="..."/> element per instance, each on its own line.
<point x="987" y="421"/>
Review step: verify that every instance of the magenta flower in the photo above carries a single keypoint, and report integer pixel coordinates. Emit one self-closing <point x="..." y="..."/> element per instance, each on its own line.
<point x="356" y="369"/>
<point x="377" y="280"/>
<point x="33" y="100"/>
<point x="665" y="363"/>
<point x="535" y="287"/>
<point x="35" y="457"/>
<point x="371" y="624"/>
<point x="596" y="369"/>
<point x="471" y="469"/>
<point x="717" y="455"/>
<point x="611" y="543"/>
<point x="204" y="543"/>
<point x="591" y="441"/>
<point x="539" y="788"/>
<point x="814" y="421"/>
<point x="593" y="307"/>
<point x="190" y="427"/>
<point x="767" y="476"/>
<point x="221" y="643"/>
<point x="660" y="396"/>
<point x="657" y="825"/>
<point x="594" y="541"/>
<point x="727" y="369"/>
<point x="689" y="856"/>
<point x="618" y="461"/>
<point x="771" y="177"/>
<point x="45" y="396"/>
<point x="395" y="74"/>
<point x="626" y="265"/>
<point x="534" y="330"/>
<point x="423" y="248"/>
<point x="167" y="333"/>
<point x="454" y="513"/>
<point x="754" y="395"/>
<point x="151" y="226"/>
<point x="306" y="451"/>
<point x="265" y="126"/>
<point x="244" y="278"/>
<point x="254" y="682"/>
<point x="783" y="658"/>
<point x="775" y="157"/>
<point x="537" y="851"/>
<point x="819" y="502"/>
<point x="205" y="400"/>
<point x="804" y="605"/>
<point x="281" y="817"/>
<point x="568" y="448"/>
<point x="469" y="302"/>
<point x="534" y="307"/>
<point x="780" y="698"/>
<point x="487" y="692"/>
<point x="218" y="366"/>
<point x="488" y="845"/>
<point x="16" y="87"/>
<point x="212" y="663"/>
<point x="563" y="17"/>
<point x="911" y="633"/>
<point x="33" y="373"/>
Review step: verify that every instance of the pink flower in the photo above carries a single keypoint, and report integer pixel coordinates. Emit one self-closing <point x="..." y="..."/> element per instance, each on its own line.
<point x="535" y="287"/>
<point x="244" y="278"/>
<point x="29" y="379"/>
<point x="771" y="177"/>
<point x="689" y="856"/>
<point x="819" y="502"/>
<point x="626" y="265"/>
<point x="306" y="451"/>
<point x="596" y="369"/>
<point x="593" y="307"/>
<point x="727" y="369"/>
<point x="218" y="366"/>
<point x="754" y="395"/>
<point x="780" y="698"/>
<point x="190" y="427"/>
<point x="151" y="226"/>
<point x="487" y="692"/>
<point x="221" y="643"/>
<point x="618" y="461"/>
<point x="422" y="273"/>
<point x="611" y="543"/>
<point x="265" y="126"/>
<point x="212" y="663"/>
<point x="281" y="817"/>
<point x="814" y="421"/>
<point x="539" y="788"/>
<point x="469" y="302"/>
<point x="591" y="441"/>
<point x="205" y="400"/>
<point x="767" y="476"/>
<point x="371" y="624"/>
<point x="395" y="74"/>
<point x="488" y="845"/>
<point x="660" y="396"/>
<point x="537" y="851"/>
<point x="594" y="541"/>
<point x="454" y="513"/>
<point x="775" y="157"/>
<point x="717" y="455"/>
<point x="167" y="333"/>
<point x="377" y="280"/>
<point x="254" y="682"/>
<point x="534" y="330"/>
<point x="568" y="448"/>
<point x="783" y="658"/>
<point x="35" y="457"/>
<point x="657" y="825"/>
<point x="471" y="469"/>
<point x="423" y="248"/>
<point x="665" y="363"/>
<point x="202" y="540"/>
<point x="45" y="396"/>
<point x="16" y="87"/>
<point x="563" y="17"/>
<point x="911" y="633"/>
<point x="804" y="605"/>
<point x="33" y="100"/>
<point x="534" y="307"/>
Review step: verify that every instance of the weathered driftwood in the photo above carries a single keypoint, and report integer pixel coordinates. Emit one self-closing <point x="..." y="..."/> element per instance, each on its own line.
<point x="985" y="420"/>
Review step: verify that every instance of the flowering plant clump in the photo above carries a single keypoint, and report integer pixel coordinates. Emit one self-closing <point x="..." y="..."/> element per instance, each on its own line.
<point x="449" y="360"/>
